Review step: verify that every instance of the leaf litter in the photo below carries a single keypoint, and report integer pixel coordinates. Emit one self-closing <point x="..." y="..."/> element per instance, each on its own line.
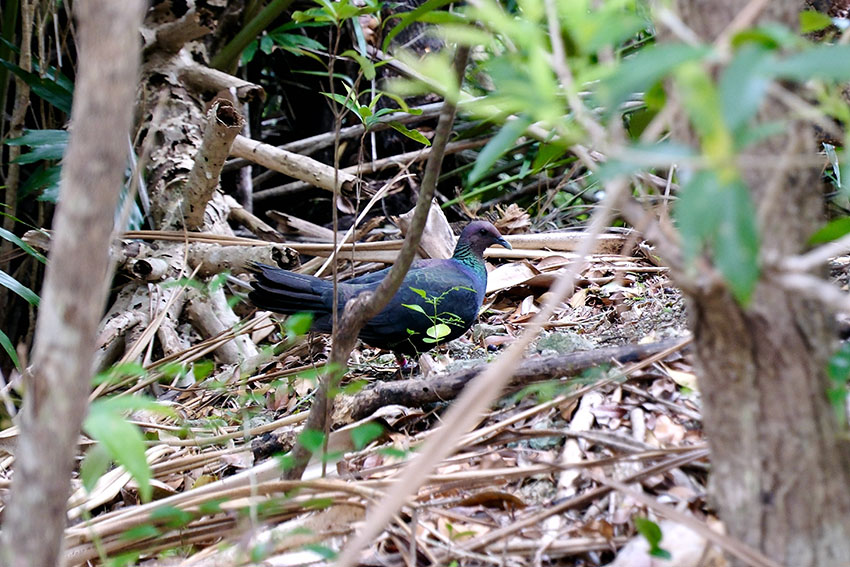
<point x="525" y="488"/>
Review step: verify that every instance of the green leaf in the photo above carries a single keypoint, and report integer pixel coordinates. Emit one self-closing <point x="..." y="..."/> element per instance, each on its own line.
<point x="297" y="325"/>
<point x="393" y="452"/>
<point x="35" y="138"/>
<point x="641" y="71"/>
<point x="346" y="101"/>
<point x="44" y="180"/>
<point x="696" y="214"/>
<point x="364" y="434"/>
<point x="498" y="145"/>
<point x="412" y="16"/>
<point x="366" y="66"/>
<point x="249" y="52"/>
<point x="770" y="36"/>
<point x="53" y="92"/>
<point x="202" y="369"/>
<point x="14" y="285"/>
<point x="119" y="372"/>
<point x="120" y="404"/>
<point x="414" y="307"/>
<point x="13" y="238"/>
<point x="321" y="550"/>
<point x="312" y="440"/>
<point x="638" y="155"/>
<point x="211" y="507"/>
<point x="548" y="155"/>
<point x="832" y="231"/>
<point x="10" y="350"/>
<point x="402" y="105"/>
<point x="742" y="86"/>
<point x="420" y="292"/>
<point x="122" y="440"/>
<point x="353" y="387"/>
<point x="126" y="559"/>
<point x="438" y="331"/>
<point x="736" y="247"/>
<point x="173" y="518"/>
<point x="838" y="372"/>
<point x="318" y="503"/>
<point x="143" y="531"/>
<point x="414" y="135"/>
<point x="285" y="462"/>
<point x="702" y="103"/>
<point x="294" y="42"/>
<point x="39" y="153"/>
<point x="94" y="464"/>
<point x="827" y="62"/>
<point x="721" y="218"/>
<point x="652" y="533"/>
<point x="464" y="34"/>
<point x="812" y="21"/>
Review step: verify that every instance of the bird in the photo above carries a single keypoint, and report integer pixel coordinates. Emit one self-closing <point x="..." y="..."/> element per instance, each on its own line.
<point x="437" y="302"/>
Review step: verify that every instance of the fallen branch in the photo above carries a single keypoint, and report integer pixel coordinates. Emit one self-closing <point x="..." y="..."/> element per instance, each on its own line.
<point x="419" y="392"/>
<point x="300" y="167"/>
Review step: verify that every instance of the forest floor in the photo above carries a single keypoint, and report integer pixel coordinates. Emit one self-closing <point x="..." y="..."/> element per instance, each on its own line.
<point x="532" y="485"/>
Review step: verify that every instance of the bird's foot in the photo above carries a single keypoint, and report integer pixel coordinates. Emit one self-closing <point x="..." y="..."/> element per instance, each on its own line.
<point x="406" y="367"/>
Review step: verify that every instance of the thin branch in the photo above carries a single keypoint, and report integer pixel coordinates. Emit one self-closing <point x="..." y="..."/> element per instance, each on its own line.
<point x="402" y="160"/>
<point x="366" y="305"/>
<point x="816" y="258"/>
<point x="816" y="289"/>
<point x="478" y="394"/>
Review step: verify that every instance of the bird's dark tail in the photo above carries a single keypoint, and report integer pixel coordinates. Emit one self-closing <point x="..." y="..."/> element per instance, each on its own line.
<point x="286" y="292"/>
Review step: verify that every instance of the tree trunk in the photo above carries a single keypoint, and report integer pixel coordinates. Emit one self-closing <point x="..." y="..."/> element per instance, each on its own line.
<point x="779" y="470"/>
<point x="76" y="283"/>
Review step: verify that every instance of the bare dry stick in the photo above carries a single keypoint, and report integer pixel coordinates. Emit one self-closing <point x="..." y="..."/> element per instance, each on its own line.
<point x="478" y="394"/>
<point x="308" y="146"/>
<point x="201" y="78"/>
<point x="76" y="283"/>
<point x="297" y="166"/>
<point x="366" y="305"/>
<point x="402" y="160"/>
<point x="223" y="124"/>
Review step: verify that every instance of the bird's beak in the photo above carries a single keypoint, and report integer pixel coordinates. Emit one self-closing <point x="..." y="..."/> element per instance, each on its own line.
<point x="504" y="243"/>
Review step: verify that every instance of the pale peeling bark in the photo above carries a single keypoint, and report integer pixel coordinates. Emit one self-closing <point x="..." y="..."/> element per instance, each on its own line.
<point x="76" y="283"/>
<point x="779" y="468"/>
<point x="223" y="124"/>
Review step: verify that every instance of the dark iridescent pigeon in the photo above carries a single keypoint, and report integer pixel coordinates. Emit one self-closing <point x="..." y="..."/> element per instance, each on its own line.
<point x="437" y="302"/>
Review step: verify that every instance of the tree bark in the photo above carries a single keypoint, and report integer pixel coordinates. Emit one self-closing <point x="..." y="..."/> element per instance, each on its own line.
<point x="76" y="282"/>
<point x="779" y="469"/>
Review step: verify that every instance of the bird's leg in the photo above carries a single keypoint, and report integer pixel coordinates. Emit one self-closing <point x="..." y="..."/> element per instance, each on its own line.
<point x="404" y="365"/>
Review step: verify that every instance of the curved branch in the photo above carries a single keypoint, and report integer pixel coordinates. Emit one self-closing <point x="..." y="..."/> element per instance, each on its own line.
<point x="366" y="305"/>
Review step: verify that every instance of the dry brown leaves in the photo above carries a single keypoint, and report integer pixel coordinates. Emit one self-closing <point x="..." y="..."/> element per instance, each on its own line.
<point x="526" y="488"/>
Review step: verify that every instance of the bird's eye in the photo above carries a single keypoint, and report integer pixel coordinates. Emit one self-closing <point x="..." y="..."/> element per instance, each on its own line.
<point x="483" y="231"/>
